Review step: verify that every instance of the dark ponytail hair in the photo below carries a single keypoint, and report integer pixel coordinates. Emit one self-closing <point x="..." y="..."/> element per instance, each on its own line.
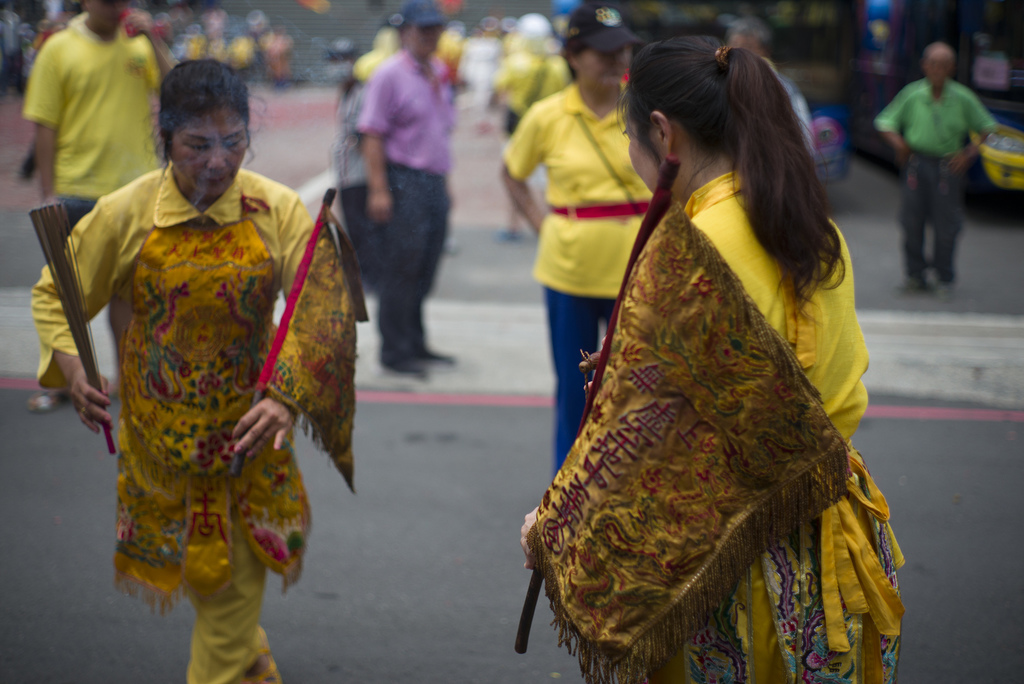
<point x="730" y="101"/>
<point x="196" y="88"/>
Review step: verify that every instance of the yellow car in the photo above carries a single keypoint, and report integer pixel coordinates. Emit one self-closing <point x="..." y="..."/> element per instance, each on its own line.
<point x="1002" y="157"/>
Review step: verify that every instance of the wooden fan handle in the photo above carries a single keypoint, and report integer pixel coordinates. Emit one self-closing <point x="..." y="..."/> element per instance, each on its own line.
<point x="238" y="460"/>
<point x="529" y="606"/>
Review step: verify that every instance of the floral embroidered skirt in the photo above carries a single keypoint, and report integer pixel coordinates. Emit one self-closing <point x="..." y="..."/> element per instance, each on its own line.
<point x="774" y="627"/>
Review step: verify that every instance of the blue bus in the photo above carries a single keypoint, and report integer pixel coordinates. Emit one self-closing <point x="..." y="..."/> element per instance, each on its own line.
<point x="813" y="46"/>
<point x="988" y="36"/>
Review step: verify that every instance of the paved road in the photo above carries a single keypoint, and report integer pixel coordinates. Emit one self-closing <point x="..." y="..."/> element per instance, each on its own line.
<point x="417" y="578"/>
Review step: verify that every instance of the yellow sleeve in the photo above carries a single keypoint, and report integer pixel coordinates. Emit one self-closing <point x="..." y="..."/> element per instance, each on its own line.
<point x="153" y="77"/>
<point x="526" y="149"/>
<point x="294" y="228"/>
<point x="503" y="77"/>
<point x="105" y="259"/>
<point x="366" y="65"/>
<point x="44" y="99"/>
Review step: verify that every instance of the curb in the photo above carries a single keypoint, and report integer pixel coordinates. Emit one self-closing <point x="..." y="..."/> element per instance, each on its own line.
<point x="502" y="349"/>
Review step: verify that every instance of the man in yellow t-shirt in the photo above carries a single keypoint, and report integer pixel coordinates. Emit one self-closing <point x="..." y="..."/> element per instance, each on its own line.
<point x="242" y="53"/>
<point x="90" y="97"/>
<point x="530" y="73"/>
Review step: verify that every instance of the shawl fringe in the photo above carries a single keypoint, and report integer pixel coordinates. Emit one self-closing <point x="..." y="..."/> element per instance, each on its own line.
<point x="165" y="602"/>
<point x="781" y="511"/>
<point x="800" y="499"/>
<point x="152" y="597"/>
<point x="294" y="573"/>
<point x="322" y="441"/>
<point x="340" y="455"/>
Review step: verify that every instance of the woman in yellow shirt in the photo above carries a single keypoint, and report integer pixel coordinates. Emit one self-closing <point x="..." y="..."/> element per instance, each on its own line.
<point x="200" y="249"/>
<point x="596" y="200"/>
<point x="679" y="543"/>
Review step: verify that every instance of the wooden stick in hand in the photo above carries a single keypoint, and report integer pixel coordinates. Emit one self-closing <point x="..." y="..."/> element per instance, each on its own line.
<point x="529" y="606"/>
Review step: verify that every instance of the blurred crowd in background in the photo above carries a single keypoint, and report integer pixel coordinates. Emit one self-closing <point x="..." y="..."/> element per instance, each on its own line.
<point x="248" y="44"/>
<point x="263" y="52"/>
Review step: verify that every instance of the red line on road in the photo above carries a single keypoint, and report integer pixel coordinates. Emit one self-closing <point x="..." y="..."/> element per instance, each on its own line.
<point x="19" y="383"/>
<point x="534" y="401"/>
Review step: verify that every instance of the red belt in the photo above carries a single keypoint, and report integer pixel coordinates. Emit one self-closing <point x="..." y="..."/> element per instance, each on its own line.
<point x="599" y="211"/>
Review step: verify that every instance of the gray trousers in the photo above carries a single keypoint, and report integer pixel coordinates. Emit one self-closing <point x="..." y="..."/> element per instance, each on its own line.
<point x="930" y="192"/>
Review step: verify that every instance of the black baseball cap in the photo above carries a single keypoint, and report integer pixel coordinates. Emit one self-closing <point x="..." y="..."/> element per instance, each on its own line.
<point x="600" y="26"/>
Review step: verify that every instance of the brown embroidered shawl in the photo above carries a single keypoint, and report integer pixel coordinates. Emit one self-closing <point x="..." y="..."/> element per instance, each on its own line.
<point x="704" y="443"/>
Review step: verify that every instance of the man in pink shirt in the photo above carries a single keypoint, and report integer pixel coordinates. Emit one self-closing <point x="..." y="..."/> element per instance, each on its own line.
<point x="406" y="123"/>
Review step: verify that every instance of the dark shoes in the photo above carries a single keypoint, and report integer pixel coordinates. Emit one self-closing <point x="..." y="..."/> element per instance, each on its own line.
<point x="917" y="286"/>
<point x="914" y="286"/>
<point x="435" y="361"/>
<point x="417" y="368"/>
<point x="407" y="368"/>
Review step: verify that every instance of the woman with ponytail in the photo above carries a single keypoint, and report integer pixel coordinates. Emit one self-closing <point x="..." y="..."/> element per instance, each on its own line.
<point x="713" y="521"/>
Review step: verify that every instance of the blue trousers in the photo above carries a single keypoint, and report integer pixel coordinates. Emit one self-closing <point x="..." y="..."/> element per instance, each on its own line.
<point x="574" y="324"/>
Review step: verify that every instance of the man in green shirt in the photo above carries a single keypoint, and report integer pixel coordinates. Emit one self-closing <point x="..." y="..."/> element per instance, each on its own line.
<point x="928" y="124"/>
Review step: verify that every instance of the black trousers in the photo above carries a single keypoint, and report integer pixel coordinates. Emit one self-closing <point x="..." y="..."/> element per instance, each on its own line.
<point x="76" y="208"/>
<point x="410" y="245"/>
<point x="363" y="234"/>
<point x="931" y="192"/>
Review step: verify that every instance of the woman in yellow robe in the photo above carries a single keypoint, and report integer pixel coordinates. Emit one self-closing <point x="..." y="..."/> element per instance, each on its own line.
<point x="201" y="249"/>
<point x="714" y="522"/>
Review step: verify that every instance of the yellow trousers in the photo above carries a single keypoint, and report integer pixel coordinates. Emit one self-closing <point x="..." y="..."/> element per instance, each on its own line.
<point x="822" y="599"/>
<point x="765" y="663"/>
<point x="225" y="638"/>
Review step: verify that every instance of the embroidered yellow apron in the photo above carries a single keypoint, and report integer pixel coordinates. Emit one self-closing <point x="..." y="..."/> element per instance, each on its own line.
<point x="202" y="304"/>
